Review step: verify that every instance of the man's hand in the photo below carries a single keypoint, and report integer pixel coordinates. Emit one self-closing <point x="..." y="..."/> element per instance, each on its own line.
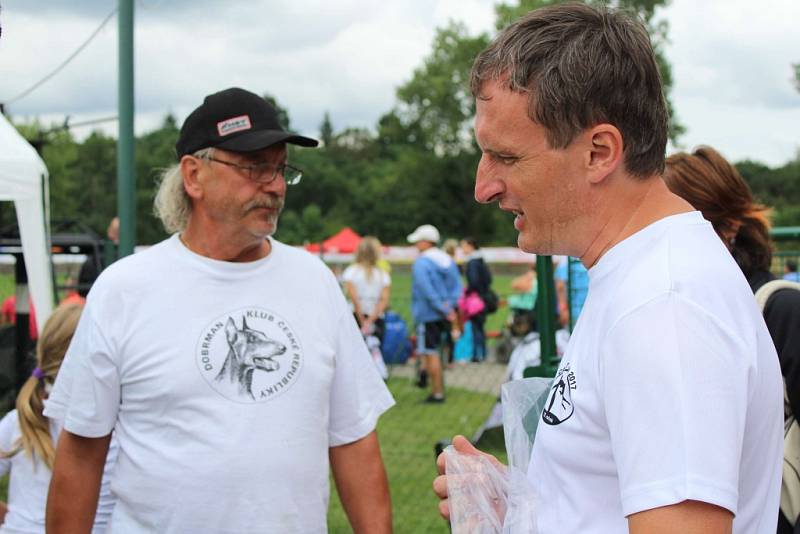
<point x="463" y="446"/>
<point x="366" y="325"/>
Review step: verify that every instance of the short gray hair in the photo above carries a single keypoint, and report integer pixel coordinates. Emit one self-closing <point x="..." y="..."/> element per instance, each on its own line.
<point x="172" y="204"/>
<point x="581" y="66"/>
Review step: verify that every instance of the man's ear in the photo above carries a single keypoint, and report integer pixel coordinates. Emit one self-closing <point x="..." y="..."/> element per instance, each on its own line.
<point x="190" y="170"/>
<point x="605" y="151"/>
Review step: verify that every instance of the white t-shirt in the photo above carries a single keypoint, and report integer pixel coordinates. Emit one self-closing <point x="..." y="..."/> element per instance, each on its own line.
<point x="669" y="390"/>
<point x="225" y="383"/>
<point x="368" y="290"/>
<point x="29" y="480"/>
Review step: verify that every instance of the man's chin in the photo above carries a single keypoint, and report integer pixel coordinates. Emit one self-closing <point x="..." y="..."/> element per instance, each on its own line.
<point x="532" y="246"/>
<point x="526" y="244"/>
<point x="264" y="230"/>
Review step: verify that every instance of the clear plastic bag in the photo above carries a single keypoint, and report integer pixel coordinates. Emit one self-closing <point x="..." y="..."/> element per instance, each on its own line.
<point x="488" y="498"/>
<point x="477" y="491"/>
<point x="522" y="401"/>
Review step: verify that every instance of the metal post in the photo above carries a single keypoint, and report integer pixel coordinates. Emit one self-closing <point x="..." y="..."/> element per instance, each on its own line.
<point x="570" y="262"/>
<point x="22" y="311"/>
<point x="126" y="178"/>
<point x="545" y="312"/>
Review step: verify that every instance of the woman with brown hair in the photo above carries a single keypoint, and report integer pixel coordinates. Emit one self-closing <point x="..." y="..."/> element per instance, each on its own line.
<point x="27" y="437"/>
<point x="714" y="187"/>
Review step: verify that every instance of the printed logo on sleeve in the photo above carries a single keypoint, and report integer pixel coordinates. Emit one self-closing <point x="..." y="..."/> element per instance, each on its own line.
<point x="249" y="355"/>
<point x="233" y="125"/>
<point x="559" y="405"/>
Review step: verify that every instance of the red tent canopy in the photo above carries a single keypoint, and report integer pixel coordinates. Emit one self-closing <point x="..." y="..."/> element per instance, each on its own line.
<point x="344" y="242"/>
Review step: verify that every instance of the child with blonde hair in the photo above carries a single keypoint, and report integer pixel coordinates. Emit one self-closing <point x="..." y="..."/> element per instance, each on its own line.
<point x="367" y="287"/>
<point x="27" y="437"/>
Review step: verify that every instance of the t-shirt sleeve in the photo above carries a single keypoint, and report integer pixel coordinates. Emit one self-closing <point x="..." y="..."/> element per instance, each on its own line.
<point x="674" y="381"/>
<point x="358" y="394"/>
<point x="348" y="274"/>
<point x="8" y="431"/>
<point x="86" y="394"/>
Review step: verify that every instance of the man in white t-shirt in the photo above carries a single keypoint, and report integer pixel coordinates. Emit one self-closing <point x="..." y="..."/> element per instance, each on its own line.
<point x="227" y="364"/>
<point x="665" y="415"/>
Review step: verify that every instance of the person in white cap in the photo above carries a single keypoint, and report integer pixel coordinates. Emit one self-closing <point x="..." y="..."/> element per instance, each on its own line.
<point x="435" y="288"/>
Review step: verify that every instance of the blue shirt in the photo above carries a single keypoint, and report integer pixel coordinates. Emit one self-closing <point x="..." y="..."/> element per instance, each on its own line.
<point x="578" y="285"/>
<point x="435" y="286"/>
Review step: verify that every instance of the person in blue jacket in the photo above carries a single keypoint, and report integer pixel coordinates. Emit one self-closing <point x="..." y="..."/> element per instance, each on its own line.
<point x="435" y="288"/>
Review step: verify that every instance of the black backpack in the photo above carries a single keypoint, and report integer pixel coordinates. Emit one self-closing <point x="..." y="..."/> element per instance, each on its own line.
<point x="790" y="486"/>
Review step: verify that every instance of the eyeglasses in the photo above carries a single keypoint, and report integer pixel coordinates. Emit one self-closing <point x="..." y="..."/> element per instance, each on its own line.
<point x="265" y="173"/>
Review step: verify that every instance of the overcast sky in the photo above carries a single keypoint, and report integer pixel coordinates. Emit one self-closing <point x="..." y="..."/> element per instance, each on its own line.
<point x="731" y="61"/>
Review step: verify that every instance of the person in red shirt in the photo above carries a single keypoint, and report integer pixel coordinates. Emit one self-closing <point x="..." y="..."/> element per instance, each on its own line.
<point x="8" y="315"/>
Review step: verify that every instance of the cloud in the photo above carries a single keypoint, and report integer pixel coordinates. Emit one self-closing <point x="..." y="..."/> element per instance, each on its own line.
<point x="314" y="56"/>
<point x="52" y="9"/>
<point x="29" y="55"/>
<point x="731" y="60"/>
<point x="731" y="65"/>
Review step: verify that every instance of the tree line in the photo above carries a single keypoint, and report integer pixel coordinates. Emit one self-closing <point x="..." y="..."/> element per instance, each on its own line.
<point x="417" y="165"/>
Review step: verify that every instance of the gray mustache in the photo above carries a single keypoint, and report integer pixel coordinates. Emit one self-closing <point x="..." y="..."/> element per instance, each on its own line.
<point x="267" y="202"/>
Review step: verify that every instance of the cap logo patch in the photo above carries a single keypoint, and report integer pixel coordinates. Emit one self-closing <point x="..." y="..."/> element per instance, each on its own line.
<point x="235" y="124"/>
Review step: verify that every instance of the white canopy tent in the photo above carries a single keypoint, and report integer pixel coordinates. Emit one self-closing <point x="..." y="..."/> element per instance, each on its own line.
<point x="23" y="180"/>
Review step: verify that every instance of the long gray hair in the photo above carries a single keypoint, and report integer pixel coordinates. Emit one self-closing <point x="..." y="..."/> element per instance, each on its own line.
<point x="172" y="205"/>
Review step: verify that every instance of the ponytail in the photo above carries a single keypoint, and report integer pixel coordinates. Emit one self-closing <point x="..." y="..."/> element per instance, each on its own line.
<point x="35" y="438"/>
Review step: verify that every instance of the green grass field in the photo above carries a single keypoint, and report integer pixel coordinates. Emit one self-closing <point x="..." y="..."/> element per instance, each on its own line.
<point x="407" y="434"/>
<point x="6" y="286"/>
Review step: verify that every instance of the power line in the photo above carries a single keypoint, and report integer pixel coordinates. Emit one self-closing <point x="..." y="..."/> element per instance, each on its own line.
<point x="68" y="125"/>
<point x="65" y="62"/>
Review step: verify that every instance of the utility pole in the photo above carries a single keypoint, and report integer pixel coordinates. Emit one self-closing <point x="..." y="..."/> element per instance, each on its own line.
<point x="126" y="177"/>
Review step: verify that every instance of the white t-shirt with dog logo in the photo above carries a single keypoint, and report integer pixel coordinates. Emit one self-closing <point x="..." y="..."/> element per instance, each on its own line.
<point x="225" y="384"/>
<point x="669" y="391"/>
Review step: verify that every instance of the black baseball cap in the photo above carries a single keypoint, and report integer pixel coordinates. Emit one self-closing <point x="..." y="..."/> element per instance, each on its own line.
<point x="236" y="120"/>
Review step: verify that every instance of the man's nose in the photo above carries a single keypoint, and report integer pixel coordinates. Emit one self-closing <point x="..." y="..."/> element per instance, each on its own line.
<point x="276" y="186"/>
<point x="488" y="187"/>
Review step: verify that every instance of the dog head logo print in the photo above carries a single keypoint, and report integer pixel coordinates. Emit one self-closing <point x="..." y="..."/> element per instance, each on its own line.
<point x="559" y="405"/>
<point x="249" y="355"/>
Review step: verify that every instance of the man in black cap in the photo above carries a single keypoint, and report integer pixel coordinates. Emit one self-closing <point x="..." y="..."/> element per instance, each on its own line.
<point x="226" y="363"/>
